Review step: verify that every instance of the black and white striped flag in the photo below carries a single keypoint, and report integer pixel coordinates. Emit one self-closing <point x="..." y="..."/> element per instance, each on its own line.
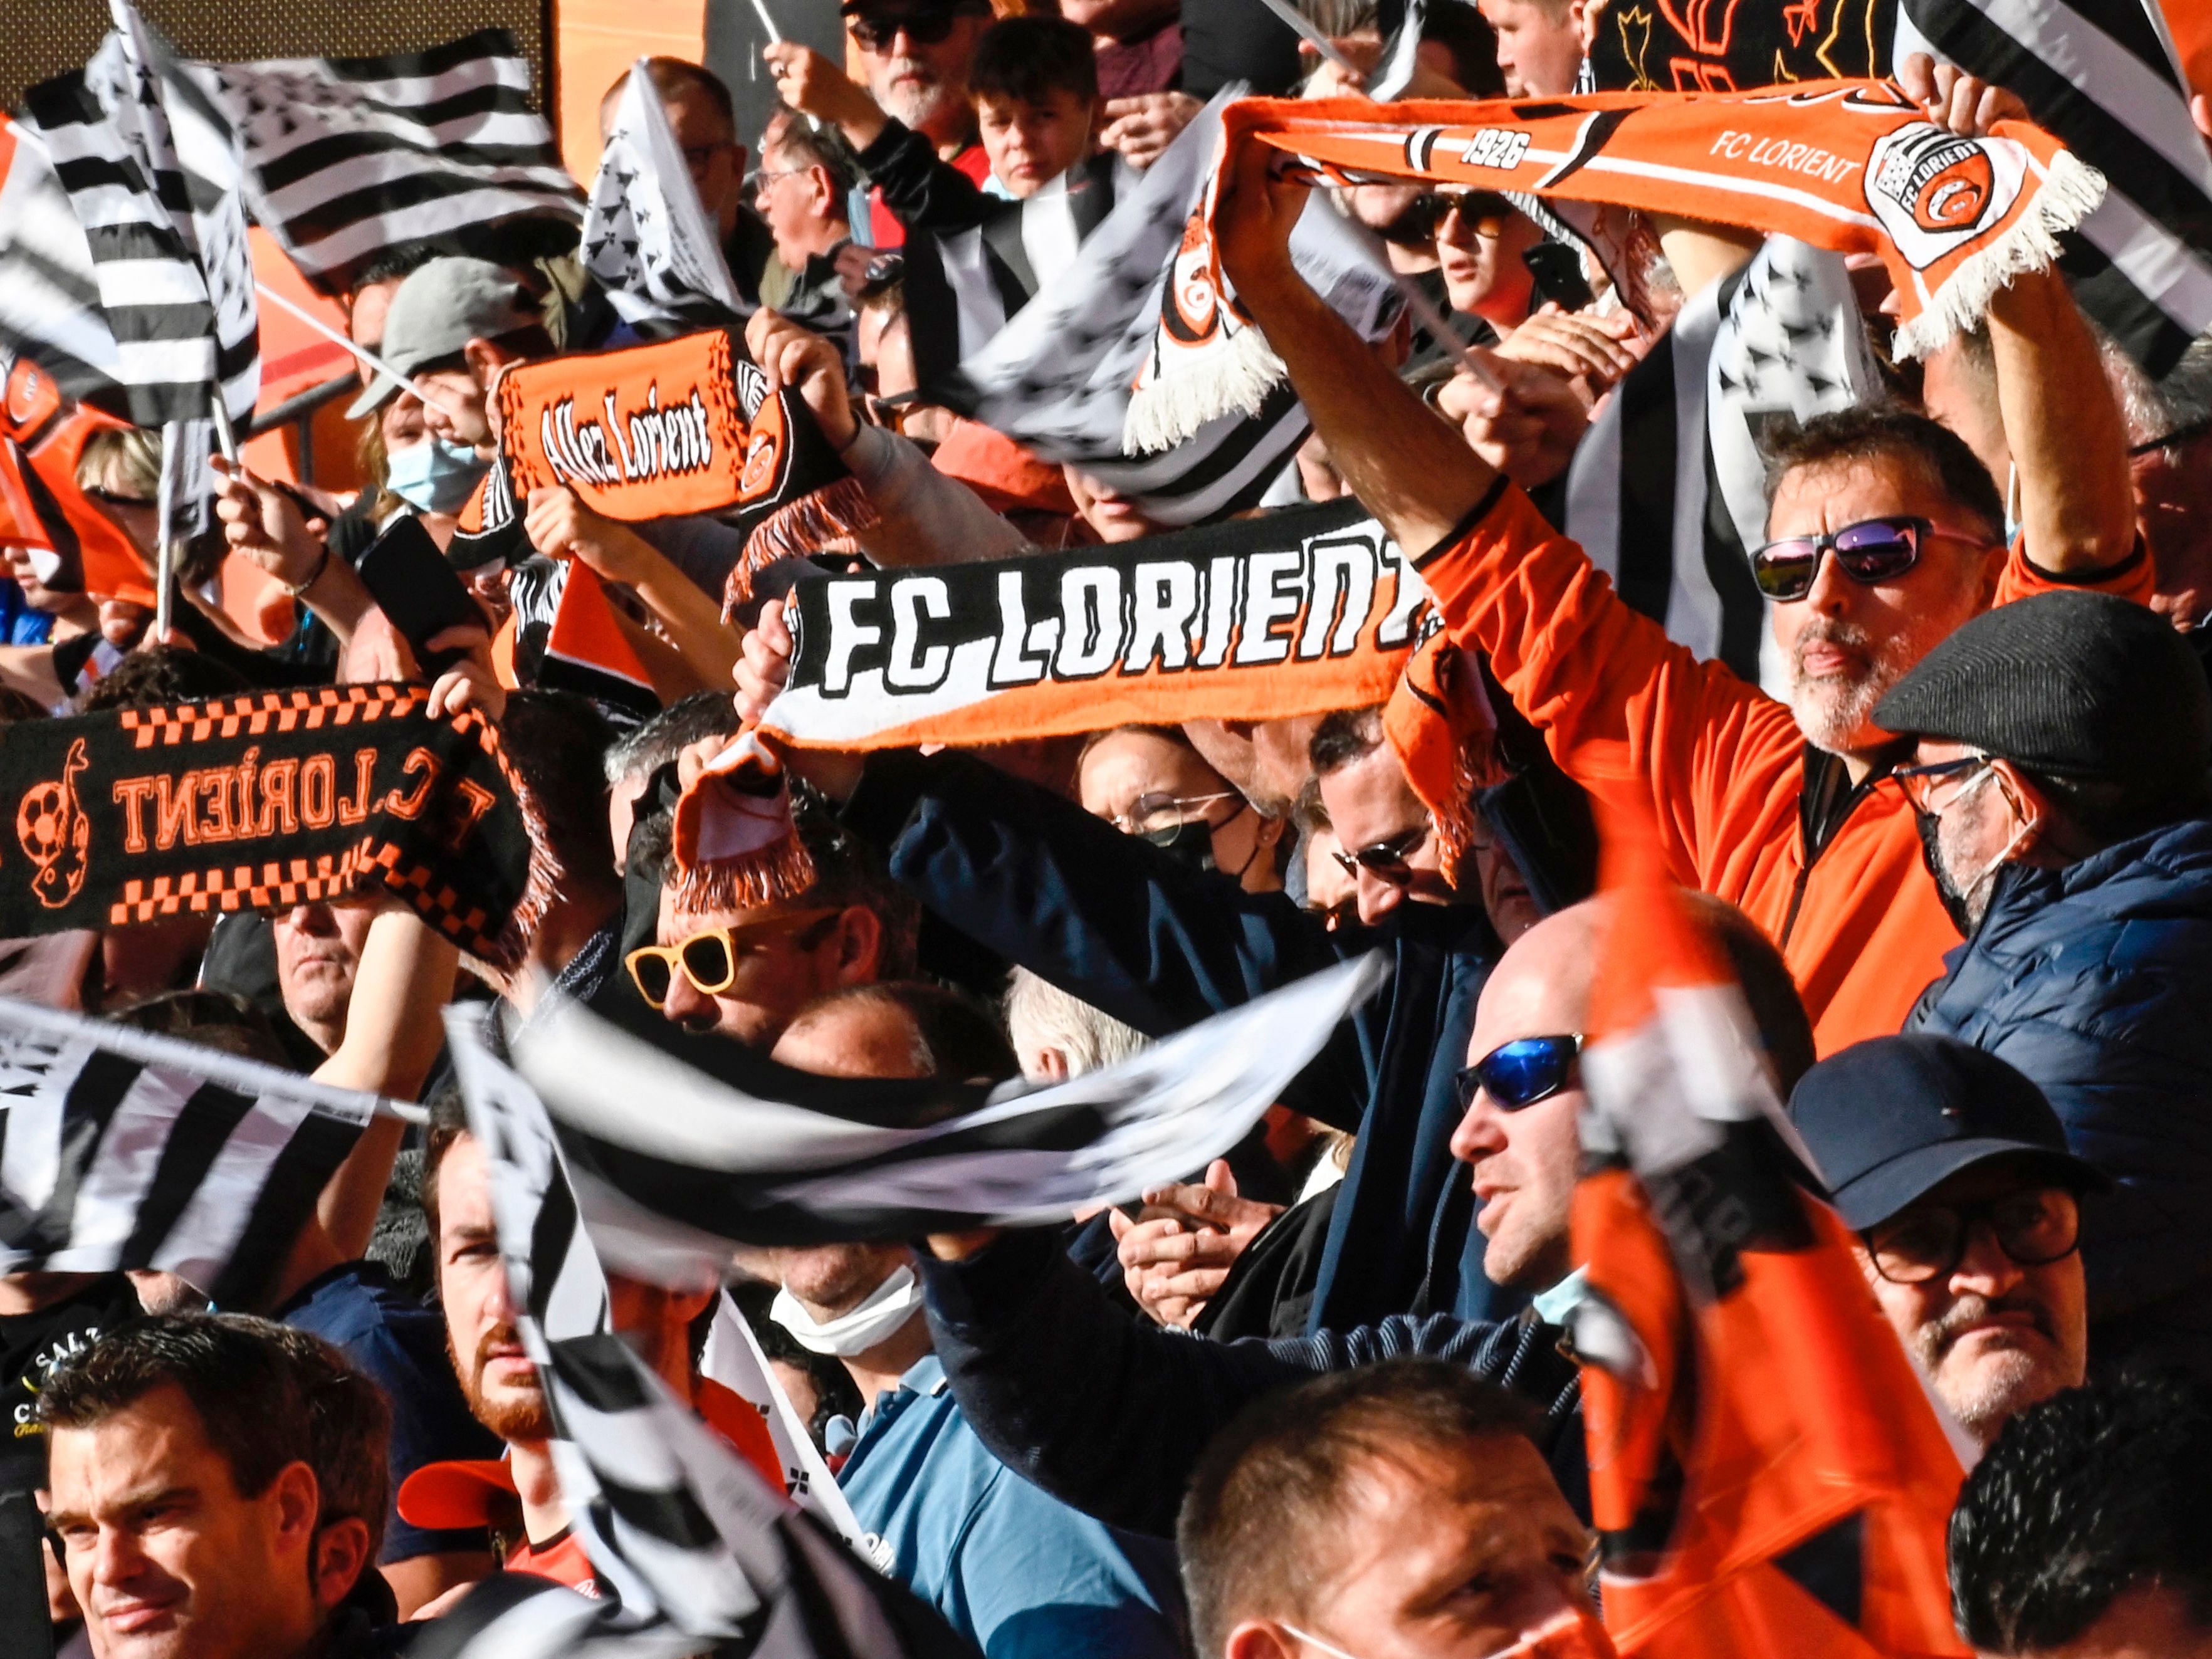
<point x="49" y="292"/>
<point x="1667" y="490"/>
<point x="122" y="1149"/>
<point x="646" y="238"/>
<point x="168" y="247"/>
<point x="1057" y="377"/>
<point x="686" y="1538"/>
<point x="344" y="159"/>
<point x="2102" y="75"/>
<point x="960" y="288"/>
<point x="739" y="1149"/>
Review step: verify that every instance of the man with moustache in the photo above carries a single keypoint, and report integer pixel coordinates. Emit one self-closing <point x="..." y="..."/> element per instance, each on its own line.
<point x="1952" y="1169"/>
<point x="1887" y="535"/>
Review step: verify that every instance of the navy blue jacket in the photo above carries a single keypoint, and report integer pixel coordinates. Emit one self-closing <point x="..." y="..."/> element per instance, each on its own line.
<point x="2096" y="982"/>
<point x="1110" y="1414"/>
<point x="1116" y="921"/>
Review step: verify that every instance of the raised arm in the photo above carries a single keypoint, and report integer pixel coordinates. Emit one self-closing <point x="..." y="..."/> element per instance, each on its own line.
<point x="1411" y="469"/>
<point x="392" y="1036"/>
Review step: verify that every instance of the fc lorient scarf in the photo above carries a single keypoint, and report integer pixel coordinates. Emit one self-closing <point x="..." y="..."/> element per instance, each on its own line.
<point x="259" y="802"/>
<point x="1852" y="165"/>
<point x="1296" y="613"/>
<point x="682" y="426"/>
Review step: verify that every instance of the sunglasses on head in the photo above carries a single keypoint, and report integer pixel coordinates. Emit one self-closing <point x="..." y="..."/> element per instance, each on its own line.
<point x="1483" y="210"/>
<point x="710" y="957"/>
<point x="925" y="28"/>
<point x="1872" y="550"/>
<point x="1520" y="1072"/>
<point x="1385" y="860"/>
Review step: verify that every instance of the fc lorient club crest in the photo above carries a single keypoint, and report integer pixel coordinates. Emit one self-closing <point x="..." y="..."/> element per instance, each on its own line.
<point x="55" y="833"/>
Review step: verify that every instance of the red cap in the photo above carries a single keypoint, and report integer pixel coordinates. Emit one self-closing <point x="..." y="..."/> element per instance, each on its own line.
<point x="460" y="1493"/>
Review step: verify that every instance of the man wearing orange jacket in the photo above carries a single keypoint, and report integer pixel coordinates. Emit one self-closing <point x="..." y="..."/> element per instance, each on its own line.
<point x="1889" y="534"/>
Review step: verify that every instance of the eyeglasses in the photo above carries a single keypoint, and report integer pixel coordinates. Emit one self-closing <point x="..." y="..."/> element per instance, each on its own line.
<point x="1157" y="813"/>
<point x="1520" y="1072"/>
<point x="1935" y="788"/>
<point x="710" y="958"/>
<point x="1385" y="860"/>
<point x="2033" y="1228"/>
<point x="114" y="498"/>
<point x="764" y="178"/>
<point x="699" y="157"/>
<point x="924" y="28"/>
<point x="1485" y="211"/>
<point x="1872" y="550"/>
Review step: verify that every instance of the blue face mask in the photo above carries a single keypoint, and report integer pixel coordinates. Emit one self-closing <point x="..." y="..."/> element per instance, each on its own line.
<point x="434" y="475"/>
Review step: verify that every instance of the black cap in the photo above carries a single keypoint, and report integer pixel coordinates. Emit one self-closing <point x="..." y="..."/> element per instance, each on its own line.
<point x="1889" y="1119"/>
<point x="2080" y="685"/>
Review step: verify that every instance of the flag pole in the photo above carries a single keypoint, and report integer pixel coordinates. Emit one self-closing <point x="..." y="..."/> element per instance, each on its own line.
<point x="164" y="558"/>
<point x="1426" y="315"/>
<point x="226" y="438"/>
<point x="775" y="34"/>
<point x="359" y="350"/>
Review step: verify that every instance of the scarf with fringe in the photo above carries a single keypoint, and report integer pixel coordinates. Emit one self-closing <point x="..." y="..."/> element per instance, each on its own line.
<point x="677" y="427"/>
<point x="1851" y="166"/>
<point x="267" y="800"/>
<point x="1297" y="613"/>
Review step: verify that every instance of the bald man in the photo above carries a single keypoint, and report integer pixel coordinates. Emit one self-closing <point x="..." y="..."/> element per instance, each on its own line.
<point x="1112" y="1415"/>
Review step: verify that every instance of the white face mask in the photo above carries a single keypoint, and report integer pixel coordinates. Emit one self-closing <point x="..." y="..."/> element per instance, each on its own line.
<point x="1572" y="1635"/>
<point x="886" y="1311"/>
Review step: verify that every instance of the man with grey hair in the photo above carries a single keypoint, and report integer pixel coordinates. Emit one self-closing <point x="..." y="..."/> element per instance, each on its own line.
<point x="1058" y="1036"/>
<point x="807" y="176"/>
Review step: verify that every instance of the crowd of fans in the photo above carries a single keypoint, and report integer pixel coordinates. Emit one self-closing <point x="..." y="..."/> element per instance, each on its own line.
<point x="1311" y="1400"/>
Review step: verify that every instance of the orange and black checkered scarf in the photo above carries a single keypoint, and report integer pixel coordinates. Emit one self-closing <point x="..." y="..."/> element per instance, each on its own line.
<point x="267" y="800"/>
<point x="1853" y="166"/>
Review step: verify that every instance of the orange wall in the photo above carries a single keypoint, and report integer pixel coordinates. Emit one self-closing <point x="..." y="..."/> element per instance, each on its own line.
<point x="594" y="41"/>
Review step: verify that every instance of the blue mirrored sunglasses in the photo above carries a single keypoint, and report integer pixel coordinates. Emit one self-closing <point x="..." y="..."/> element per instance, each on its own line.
<point x="1520" y="1072"/>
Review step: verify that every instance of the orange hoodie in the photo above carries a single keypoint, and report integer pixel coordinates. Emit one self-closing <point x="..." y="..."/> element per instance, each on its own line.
<point x="1740" y="798"/>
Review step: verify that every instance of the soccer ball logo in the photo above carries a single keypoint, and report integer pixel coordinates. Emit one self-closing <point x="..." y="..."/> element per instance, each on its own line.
<point x="55" y="833"/>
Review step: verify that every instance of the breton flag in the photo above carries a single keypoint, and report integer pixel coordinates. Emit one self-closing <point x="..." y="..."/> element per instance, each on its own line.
<point x="169" y="254"/>
<point x="1768" y="1473"/>
<point x="646" y="239"/>
<point x="1057" y="376"/>
<point x="1667" y="490"/>
<point x="962" y="287"/>
<point x="49" y="310"/>
<point x="739" y="1149"/>
<point x="689" y="1540"/>
<point x="348" y="160"/>
<point x="2102" y="76"/>
<point x="122" y="1149"/>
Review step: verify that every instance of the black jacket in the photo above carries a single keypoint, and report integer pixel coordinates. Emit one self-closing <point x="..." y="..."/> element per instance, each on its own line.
<point x="1110" y="1414"/>
<point x="1118" y="922"/>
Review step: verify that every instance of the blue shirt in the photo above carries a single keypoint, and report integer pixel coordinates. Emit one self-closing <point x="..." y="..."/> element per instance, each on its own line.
<point x="400" y="1345"/>
<point x="1018" y="1573"/>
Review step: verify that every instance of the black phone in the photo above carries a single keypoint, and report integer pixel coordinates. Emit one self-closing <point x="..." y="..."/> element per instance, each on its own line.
<point x="1557" y="269"/>
<point x="412" y="583"/>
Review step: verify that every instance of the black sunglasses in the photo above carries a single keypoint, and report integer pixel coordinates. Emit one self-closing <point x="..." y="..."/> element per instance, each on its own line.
<point x="1872" y="550"/>
<point x="1386" y="859"/>
<point x="1425" y="214"/>
<point x="1520" y="1072"/>
<point x="2034" y="1228"/>
<point x="924" y="28"/>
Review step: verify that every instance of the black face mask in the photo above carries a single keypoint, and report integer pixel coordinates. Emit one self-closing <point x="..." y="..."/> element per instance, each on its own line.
<point x="1189" y="844"/>
<point x="1955" y="901"/>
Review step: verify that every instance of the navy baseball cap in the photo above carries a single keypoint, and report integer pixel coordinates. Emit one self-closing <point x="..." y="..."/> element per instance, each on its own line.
<point x="1890" y="1119"/>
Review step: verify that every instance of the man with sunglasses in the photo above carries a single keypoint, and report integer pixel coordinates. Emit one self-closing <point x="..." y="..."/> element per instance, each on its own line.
<point x="2060" y="784"/>
<point x="1888" y="534"/>
<point x="916" y="55"/>
<point x="1954" y="1171"/>
<point x="746" y="970"/>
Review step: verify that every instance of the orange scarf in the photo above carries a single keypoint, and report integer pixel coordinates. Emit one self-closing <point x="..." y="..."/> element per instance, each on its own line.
<point x="1852" y="165"/>
<point x="676" y="428"/>
<point x="1297" y="613"/>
